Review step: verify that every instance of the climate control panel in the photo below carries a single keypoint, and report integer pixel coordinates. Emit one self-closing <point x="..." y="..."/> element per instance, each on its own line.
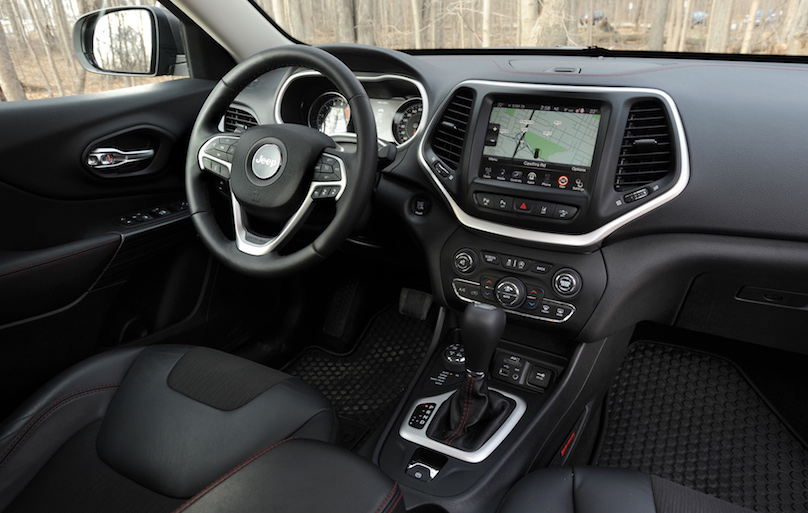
<point x="561" y="289"/>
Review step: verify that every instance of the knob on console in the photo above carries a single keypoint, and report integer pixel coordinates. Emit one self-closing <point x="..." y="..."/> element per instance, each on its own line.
<point x="567" y="283"/>
<point x="511" y="292"/>
<point x="465" y="261"/>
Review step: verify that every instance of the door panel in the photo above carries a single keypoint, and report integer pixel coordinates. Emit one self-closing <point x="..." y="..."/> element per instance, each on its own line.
<point x="89" y="259"/>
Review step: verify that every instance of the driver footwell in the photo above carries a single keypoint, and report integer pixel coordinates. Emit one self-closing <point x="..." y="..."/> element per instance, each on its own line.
<point x="365" y="385"/>
<point x="696" y="420"/>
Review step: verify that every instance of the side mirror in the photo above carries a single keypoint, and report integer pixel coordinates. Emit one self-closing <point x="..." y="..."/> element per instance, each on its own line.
<point x="136" y="40"/>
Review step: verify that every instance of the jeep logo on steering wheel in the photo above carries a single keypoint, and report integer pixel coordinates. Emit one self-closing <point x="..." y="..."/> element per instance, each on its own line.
<point x="267" y="161"/>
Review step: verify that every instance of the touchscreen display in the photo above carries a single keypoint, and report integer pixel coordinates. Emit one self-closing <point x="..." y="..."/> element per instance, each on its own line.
<point x="561" y="135"/>
<point x="553" y="145"/>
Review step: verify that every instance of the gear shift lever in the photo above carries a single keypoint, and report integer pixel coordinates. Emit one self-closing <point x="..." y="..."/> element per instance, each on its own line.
<point x="482" y="327"/>
<point x="473" y="413"/>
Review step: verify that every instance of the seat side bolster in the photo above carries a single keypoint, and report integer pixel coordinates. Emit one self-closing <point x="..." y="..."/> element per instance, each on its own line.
<point x="41" y="425"/>
<point x="548" y="490"/>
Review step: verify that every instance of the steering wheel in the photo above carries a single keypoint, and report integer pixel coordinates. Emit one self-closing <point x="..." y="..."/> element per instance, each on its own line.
<point x="277" y="172"/>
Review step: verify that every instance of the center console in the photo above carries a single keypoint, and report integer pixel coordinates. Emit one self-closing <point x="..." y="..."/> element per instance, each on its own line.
<point x="536" y="177"/>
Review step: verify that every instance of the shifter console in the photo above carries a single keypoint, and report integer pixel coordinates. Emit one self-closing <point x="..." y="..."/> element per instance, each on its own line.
<point x="470" y="422"/>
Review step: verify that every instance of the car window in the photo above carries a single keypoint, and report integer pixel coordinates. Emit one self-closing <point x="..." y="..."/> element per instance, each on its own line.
<point x="37" y="59"/>
<point x="770" y="27"/>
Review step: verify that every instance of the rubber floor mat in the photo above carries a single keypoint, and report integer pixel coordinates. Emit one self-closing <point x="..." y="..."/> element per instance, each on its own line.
<point x="694" y="419"/>
<point x="365" y="385"/>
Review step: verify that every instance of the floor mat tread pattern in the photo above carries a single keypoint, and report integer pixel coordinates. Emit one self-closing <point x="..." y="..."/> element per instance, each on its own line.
<point x="694" y="419"/>
<point x="365" y="385"/>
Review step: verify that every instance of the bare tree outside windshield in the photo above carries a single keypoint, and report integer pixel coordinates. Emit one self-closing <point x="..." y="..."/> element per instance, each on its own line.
<point x="771" y="27"/>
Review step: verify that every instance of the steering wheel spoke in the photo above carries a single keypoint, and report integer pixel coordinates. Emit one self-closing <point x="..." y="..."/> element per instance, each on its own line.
<point x="258" y="245"/>
<point x="216" y="155"/>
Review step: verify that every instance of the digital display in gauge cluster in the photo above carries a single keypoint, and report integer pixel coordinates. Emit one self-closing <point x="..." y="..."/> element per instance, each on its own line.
<point x="545" y="145"/>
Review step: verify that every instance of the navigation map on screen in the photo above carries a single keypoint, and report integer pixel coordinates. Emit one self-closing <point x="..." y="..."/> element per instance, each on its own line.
<point x="559" y="135"/>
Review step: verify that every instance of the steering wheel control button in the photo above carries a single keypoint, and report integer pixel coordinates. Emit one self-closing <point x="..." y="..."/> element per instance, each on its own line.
<point x="567" y="283"/>
<point x="327" y="169"/>
<point x="325" y="192"/>
<point x="421" y="415"/>
<point x="541" y="267"/>
<point x="510" y="292"/>
<point x="565" y="212"/>
<point x="465" y="261"/>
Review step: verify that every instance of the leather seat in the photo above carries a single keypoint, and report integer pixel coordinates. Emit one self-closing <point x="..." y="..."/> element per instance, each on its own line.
<point x="179" y="428"/>
<point x="607" y="490"/>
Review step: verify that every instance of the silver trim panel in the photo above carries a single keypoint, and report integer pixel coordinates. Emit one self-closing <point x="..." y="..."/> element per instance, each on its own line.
<point x="264" y="245"/>
<point x="418" y="436"/>
<point x="560" y="239"/>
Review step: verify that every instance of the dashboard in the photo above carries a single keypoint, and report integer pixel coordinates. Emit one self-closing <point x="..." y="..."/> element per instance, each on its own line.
<point x="581" y="203"/>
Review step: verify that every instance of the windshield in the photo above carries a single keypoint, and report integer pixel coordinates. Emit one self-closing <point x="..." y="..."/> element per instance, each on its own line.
<point x="767" y="27"/>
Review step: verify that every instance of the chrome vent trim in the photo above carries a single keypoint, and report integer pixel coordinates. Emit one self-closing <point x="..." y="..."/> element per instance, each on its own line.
<point x="645" y="153"/>
<point x="450" y="135"/>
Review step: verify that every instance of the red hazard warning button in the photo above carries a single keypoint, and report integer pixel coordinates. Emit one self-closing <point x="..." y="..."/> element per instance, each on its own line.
<point x="525" y="206"/>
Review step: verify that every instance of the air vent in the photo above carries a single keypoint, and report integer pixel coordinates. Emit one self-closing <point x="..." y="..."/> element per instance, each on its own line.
<point x="238" y="120"/>
<point x="645" y="155"/>
<point x="451" y="132"/>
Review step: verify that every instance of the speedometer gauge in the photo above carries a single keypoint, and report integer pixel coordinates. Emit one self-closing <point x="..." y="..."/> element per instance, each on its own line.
<point x="407" y="120"/>
<point x="330" y="114"/>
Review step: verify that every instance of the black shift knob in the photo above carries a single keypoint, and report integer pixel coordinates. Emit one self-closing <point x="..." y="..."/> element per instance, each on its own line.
<point x="482" y="327"/>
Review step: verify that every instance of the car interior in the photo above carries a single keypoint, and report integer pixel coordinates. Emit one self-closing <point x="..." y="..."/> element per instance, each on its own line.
<point x="344" y="277"/>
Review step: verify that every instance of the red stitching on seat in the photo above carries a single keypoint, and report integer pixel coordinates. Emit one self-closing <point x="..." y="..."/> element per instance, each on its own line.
<point x="227" y="475"/>
<point x="45" y="414"/>
<point x="395" y="485"/>
<point x="393" y="507"/>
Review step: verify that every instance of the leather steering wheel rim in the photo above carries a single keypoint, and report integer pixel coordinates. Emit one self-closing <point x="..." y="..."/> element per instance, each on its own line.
<point x="359" y="169"/>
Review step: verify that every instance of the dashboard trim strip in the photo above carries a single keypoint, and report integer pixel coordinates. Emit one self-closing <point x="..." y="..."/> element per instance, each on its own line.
<point x="561" y="239"/>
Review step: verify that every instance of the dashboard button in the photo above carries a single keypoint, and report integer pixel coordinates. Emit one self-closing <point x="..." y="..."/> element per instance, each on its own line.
<point x="567" y="283"/>
<point x="491" y="258"/>
<point x="503" y="203"/>
<point x="565" y="212"/>
<point x="523" y="206"/>
<point x="541" y="267"/>
<point x="464" y="289"/>
<point x="542" y="209"/>
<point x="486" y="200"/>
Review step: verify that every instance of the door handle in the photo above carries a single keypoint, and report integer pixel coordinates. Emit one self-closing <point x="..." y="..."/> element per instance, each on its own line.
<point x="109" y="158"/>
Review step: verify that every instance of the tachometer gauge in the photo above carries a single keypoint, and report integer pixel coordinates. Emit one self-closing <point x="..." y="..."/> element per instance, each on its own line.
<point x="407" y="120"/>
<point x="330" y="114"/>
